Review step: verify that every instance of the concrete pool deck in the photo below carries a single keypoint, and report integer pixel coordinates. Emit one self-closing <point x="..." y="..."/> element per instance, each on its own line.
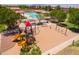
<point x="46" y="39"/>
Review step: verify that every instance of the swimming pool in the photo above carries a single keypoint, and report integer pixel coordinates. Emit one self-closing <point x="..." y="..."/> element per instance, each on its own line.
<point x="34" y="15"/>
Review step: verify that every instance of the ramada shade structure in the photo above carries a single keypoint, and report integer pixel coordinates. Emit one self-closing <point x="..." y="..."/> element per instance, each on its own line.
<point x="23" y="25"/>
<point x="27" y="24"/>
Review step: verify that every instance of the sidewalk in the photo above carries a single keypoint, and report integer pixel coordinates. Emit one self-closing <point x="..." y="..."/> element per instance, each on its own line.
<point x="13" y="51"/>
<point x="7" y="47"/>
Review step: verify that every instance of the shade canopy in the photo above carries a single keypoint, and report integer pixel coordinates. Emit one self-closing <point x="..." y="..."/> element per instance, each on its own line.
<point x="22" y="25"/>
<point x="27" y="23"/>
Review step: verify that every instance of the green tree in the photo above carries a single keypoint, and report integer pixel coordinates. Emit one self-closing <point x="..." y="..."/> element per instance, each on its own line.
<point x="59" y="15"/>
<point x="24" y="7"/>
<point x="47" y="8"/>
<point x="58" y="8"/>
<point x="73" y="15"/>
<point x="8" y="16"/>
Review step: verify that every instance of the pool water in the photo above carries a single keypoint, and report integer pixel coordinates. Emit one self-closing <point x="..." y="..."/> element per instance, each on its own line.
<point x="33" y="15"/>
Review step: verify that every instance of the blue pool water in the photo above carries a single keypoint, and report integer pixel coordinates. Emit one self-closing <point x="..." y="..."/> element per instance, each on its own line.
<point x="33" y="15"/>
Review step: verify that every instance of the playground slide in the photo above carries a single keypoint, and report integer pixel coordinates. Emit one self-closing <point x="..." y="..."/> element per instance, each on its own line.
<point x="21" y="43"/>
<point x="16" y="37"/>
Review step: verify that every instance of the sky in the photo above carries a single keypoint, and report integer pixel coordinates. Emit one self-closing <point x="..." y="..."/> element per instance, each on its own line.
<point x="62" y="5"/>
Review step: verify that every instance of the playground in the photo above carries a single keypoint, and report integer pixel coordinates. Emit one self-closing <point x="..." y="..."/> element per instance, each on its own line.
<point x="46" y="37"/>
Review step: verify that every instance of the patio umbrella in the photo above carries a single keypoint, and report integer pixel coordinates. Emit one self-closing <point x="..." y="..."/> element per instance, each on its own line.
<point x="27" y="24"/>
<point x="22" y="26"/>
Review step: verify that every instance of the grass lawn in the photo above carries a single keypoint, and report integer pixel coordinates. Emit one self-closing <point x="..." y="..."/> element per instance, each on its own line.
<point x="72" y="27"/>
<point x="70" y="50"/>
<point x="2" y="27"/>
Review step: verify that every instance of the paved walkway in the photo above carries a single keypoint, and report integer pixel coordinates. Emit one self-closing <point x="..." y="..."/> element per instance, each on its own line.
<point x="7" y="46"/>
<point x="13" y="51"/>
<point x="6" y="43"/>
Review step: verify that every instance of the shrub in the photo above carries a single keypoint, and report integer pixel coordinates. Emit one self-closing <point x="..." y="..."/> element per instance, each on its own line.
<point x="30" y="50"/>
<point x="24" y="51"/>
<point x="35" y="50"/>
